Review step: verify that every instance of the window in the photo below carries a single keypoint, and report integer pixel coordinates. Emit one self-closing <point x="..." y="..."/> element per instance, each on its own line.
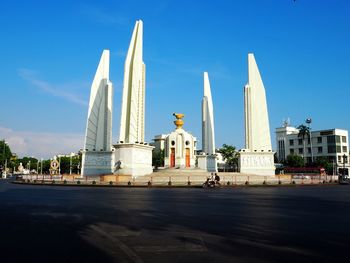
<point x="331" y="148"/>
<point x="291" y="142"/>
<point x="339" y="159"/>
<point x="331" y="139"/>
<point x="337" y="139"/>
<point x="319" y="139"/>
<point x="309" y="150"/>
<point x="308" y="141"/>
<point x="338" y="149"/>
<point x="329" y="132"/>
<point x="172" y="143"/>
<point x="345" y="149"/>
<point x="300" y="150"/>
<point x="319" y="149"/>
<point x="343" y="138"/>
<point x="300" y="141"/>
<point x="291" y="151"/>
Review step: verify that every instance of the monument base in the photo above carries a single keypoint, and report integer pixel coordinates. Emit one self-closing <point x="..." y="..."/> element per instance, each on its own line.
<point x="97" y="163"/>
<point x="207" y="162"/>
<point x="258" y="163"/>
<point x="133" y="159"/>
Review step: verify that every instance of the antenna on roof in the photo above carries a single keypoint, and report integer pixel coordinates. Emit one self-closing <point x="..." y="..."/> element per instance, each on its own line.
<point x="286" y="122"/>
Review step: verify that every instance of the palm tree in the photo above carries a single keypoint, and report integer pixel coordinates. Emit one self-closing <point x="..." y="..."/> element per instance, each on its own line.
<point x="304" y="131"/>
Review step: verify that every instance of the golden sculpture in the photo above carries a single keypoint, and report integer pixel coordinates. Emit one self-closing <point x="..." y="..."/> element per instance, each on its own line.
<point x="179" y="122"/>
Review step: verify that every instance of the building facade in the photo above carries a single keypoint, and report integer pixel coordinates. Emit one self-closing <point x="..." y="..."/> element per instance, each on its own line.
<point x="332" y="144"/>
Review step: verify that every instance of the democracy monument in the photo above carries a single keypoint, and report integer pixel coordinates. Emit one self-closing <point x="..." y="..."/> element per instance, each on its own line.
<point x="132" y="156"/>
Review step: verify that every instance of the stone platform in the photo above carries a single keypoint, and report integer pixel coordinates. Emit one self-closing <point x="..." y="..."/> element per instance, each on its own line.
<point x="195" y="177"/>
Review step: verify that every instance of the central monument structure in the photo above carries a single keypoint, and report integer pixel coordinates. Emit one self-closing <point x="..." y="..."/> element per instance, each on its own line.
<point x="180" y="147"/>
<point x="257" y="157"/>
<point x="133" y="156"/>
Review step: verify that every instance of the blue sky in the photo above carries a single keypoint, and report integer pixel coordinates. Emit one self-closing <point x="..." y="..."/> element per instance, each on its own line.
<point x="50" y="50"/>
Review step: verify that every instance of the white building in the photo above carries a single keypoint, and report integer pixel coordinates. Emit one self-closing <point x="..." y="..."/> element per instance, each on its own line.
<point x="332" y="144"/>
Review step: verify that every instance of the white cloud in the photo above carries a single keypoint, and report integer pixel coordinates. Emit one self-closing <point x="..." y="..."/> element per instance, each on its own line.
<point x="55" y="90"/>
<point x="41" y="144"/>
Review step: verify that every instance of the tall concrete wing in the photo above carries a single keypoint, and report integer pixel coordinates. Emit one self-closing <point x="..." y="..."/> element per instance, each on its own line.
<point x="133" y="156"/>
<point x="99" y="121"/>
<point x="257" y="130"/>
<point x="208" y="134"/>
<point x="97" y="155"/>
<point x="132" y="122"/>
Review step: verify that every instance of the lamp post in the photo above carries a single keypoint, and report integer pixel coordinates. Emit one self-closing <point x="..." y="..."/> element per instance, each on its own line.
<point x="5" y="162"/>
<point x="59" y="164"/>
<point x="41" y="167"/>
<point x="308" y="122"/>
<point x="70" y="164"/>
<point x="3" y="155"/>
<point x="345" y="159"/>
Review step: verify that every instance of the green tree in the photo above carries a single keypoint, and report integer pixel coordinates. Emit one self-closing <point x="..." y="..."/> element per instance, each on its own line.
<point x="304" y="132"/>
<point x="229" y="154"/>
<point x="46" y="166"/>
<point x="158" y="158"/>
<point x="294" y="160"/>
<point x="5" y="152"/>
<point x="323" y="162"/>
<point x="65" y="162"/>
<point x="28" y="161"/>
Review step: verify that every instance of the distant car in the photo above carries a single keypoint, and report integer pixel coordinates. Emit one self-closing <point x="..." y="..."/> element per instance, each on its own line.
<point x="301" y="176"/>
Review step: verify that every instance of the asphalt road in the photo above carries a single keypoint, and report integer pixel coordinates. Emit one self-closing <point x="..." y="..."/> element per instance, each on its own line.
<point x="271" y="224"/>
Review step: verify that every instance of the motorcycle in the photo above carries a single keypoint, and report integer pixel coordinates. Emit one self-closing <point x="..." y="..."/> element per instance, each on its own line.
<point x="210" y="183"/>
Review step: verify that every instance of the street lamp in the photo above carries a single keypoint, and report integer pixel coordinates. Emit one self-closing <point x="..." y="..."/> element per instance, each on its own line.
<point x="29" y="166"/>
<point x="41" y="167"/>
<point x="345" y="159"/>
<point x="59" y="164"/>
<point x="5" y="143"/>
<point x="78" y="168"/>
<point x="70" y="163"/>
<point x="308" y="122"/>
<point x="3" y="152"/>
